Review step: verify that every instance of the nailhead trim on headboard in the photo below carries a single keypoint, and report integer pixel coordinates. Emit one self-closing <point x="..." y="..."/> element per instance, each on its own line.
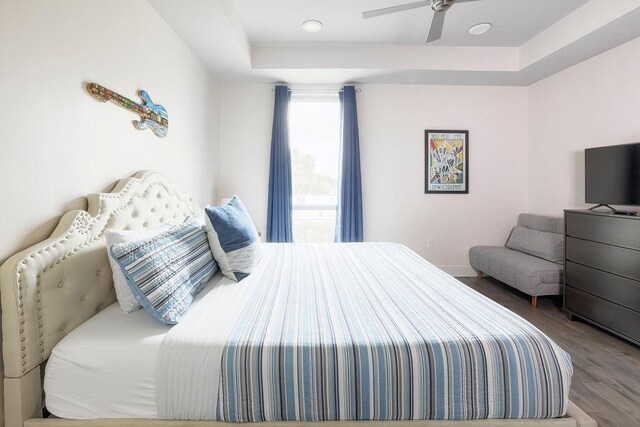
<point x="34" y="322"/>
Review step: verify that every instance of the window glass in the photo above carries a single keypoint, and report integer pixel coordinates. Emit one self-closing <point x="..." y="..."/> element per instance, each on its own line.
<point x="315" y="150"/>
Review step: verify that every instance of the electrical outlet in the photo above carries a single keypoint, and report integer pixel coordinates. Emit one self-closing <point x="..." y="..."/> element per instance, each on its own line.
<point x="430" y="244"/>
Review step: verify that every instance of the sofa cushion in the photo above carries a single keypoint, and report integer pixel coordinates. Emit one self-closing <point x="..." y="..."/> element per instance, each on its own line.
<point x="541" y="244"/>
<point x="542" y="223"/>
<point x="529" y="274"/>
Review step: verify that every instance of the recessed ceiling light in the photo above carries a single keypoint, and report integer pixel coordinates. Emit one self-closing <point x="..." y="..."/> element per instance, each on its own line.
<point x="312" y="26"/>
<point x="478" y="29"/>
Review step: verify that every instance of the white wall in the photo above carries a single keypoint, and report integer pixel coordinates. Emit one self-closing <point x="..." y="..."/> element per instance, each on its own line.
<point x="392" y="121"/>
<point x="246" y="116"/>
<point x="594" y="103"/>
<point x="527" y="150"/>
<point x="58" y="143"/>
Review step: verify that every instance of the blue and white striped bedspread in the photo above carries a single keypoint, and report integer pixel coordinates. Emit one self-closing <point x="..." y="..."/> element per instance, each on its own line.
<point x="374" y="332"/>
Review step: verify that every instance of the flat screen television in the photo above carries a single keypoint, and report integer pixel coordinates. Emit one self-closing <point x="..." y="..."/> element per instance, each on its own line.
<point x="612" y="175"/>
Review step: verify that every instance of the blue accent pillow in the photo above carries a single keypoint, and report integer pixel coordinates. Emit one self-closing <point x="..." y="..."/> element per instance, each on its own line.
<point x="166" y="271"/>
<point x="233" y="239"/>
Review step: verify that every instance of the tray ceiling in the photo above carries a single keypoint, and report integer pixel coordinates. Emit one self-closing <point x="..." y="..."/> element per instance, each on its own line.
<point x="262" y="41"/>
<point x="514" y="21"/>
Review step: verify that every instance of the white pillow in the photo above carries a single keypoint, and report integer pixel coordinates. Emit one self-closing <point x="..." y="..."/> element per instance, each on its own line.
<point x="128" y="302"/>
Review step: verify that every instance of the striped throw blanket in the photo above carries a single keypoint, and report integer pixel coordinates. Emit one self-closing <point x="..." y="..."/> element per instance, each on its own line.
<point x="374" y="332"/>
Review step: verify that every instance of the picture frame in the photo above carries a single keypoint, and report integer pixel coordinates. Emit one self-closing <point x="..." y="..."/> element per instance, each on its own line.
<point x="446" y="161"/>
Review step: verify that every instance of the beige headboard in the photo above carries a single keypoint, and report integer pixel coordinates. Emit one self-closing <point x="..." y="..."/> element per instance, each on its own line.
<point x="49" y="289"/>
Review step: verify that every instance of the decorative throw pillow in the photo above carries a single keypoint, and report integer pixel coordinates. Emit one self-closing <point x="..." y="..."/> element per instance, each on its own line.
<point x="166" y="271"/>
<point x="549" y="246"/>
<point x="128" y="302"/>
<point x="233" y="239"/>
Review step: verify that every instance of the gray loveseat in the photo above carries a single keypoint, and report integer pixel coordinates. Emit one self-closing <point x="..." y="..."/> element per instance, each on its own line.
<point x="531" y="260"/>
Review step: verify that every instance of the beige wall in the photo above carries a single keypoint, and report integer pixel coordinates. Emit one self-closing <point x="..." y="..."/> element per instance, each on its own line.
<point x="58" y="143"/>
<point x="592" y="104"/>
<point x="392" y="121"/>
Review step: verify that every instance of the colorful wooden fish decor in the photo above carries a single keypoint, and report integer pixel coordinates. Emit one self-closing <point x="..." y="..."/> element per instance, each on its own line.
<point x="152" y="116"/>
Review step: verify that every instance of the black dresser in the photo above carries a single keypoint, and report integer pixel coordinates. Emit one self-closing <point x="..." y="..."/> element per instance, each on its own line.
<point x="602" y="270"/>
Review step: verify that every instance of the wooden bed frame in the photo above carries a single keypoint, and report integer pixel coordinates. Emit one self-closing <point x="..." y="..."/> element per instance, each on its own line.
<point x="51" y="288"/>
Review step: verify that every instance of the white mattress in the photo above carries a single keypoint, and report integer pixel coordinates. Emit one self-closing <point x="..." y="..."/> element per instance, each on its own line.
<point x="106" y="367"/>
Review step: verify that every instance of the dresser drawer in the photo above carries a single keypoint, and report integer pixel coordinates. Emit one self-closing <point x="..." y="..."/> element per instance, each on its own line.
<point x="614" y="230"/>
<point x="612" y="259"/>
<point x="608" y="314"/>
<point x="614" y="288"/>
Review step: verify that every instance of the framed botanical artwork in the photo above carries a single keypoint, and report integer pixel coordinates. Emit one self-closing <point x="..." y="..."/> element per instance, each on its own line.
<point x="446" y="161"/>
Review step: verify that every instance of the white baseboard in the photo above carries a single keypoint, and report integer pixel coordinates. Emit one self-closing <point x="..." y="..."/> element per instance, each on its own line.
<point x="458" y="270"/>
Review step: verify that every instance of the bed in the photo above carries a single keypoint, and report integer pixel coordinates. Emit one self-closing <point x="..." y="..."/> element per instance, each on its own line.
<point x="263" y="363"/>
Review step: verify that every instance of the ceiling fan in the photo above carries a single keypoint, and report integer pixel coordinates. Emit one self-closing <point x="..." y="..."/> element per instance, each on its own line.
<point x="440" y="7"/>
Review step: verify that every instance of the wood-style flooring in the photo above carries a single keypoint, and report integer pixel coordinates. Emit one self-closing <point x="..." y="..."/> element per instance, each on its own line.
<point x="606" y="377"/>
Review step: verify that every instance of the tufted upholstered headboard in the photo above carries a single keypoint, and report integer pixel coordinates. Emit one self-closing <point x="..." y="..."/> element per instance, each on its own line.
<point x="54" y="286"/>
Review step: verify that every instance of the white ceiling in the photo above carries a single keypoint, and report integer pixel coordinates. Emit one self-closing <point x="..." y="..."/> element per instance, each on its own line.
<point x="514" y="21"/>
<point x="262" y="41"/>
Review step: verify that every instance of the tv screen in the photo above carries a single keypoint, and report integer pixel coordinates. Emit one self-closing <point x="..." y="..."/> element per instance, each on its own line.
<point x="612" y="175"/>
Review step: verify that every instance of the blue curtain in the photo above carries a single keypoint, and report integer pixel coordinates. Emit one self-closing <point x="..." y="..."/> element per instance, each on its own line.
<point x="349" y="220"/>
<point x="280" y="208"/>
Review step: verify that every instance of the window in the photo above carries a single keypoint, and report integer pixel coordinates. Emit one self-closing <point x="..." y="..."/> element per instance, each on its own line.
<point x="314" y="125"/>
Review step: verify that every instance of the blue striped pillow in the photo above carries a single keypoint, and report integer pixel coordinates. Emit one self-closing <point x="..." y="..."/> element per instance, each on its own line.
<point x="166" y="271"/>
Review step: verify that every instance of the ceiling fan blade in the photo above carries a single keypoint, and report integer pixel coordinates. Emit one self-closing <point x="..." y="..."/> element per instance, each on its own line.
<point x="394" y="9"/>
<point x="437" y="24"/>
